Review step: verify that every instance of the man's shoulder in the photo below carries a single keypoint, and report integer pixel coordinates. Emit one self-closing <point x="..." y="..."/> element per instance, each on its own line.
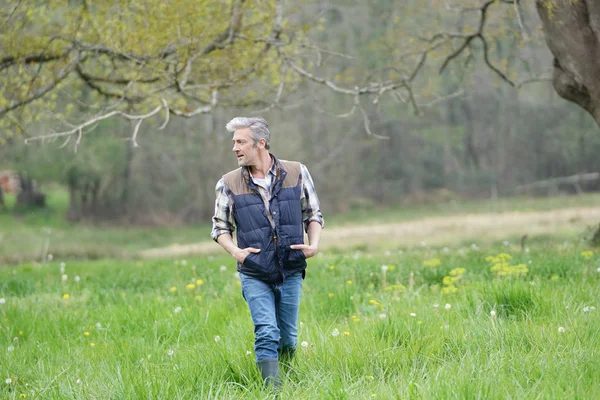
<point x="291" y="165"/>
<point x="231" y="174"/>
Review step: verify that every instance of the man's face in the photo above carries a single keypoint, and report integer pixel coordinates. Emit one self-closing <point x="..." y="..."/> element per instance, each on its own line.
<point x="246" y="151"/>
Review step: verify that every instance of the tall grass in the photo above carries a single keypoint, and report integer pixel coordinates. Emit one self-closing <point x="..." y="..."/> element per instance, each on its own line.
<point x="179" y="329"/>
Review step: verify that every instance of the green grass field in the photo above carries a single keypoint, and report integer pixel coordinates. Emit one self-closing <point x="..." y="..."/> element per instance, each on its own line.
<point x="420" y="328"/>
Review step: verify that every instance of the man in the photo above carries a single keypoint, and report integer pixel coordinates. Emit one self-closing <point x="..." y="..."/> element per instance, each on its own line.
<point x="269" y="201"/>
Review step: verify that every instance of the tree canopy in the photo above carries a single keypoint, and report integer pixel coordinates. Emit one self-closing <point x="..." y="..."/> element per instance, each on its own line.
<point x="77" y="60"/>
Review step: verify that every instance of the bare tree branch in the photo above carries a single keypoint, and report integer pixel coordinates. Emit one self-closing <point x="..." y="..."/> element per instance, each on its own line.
<point x="79" y="128"/>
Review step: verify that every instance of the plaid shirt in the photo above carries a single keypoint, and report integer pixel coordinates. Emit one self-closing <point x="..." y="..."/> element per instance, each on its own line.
<point x="223" y="221"/>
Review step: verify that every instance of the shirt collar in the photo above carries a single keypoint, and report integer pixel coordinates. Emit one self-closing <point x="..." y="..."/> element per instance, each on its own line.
<point x="273" y="170"/>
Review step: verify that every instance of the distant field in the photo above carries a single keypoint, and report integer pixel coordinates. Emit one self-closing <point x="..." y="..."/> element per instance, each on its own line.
<point x="32" y="235"/>
<point x="422" y="324"/>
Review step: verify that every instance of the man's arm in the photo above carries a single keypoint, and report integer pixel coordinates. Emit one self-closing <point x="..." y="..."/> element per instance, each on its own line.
<point x="314" y="235"/>
<point x="311" y="215"/>
<point x="223" y="225"/>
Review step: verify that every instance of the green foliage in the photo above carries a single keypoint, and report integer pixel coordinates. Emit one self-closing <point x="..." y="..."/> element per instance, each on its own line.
<point x="73" y="58"/>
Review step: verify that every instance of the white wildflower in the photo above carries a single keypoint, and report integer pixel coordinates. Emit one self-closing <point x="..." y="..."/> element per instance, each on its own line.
<point x="8" y="381"/>
<point x="223" y="268"/>
<point x="436" y="305"/>
<point x="448" y="306"/>
<point x="217" y="339"/>
<point x="493" y="313"/>
<point x="98" y="325"/>
<point x="384" y="268"/>
<point x="248" y="352"/>
<point x="177" y="310"/>
<point x="78" y="381"/>
<point x="50" y="257"/>
<point x="170" y="352"/>
<point x="588" y="308"/>
<point x="335" y="332"/>
<point x="474" y="246"/>
<point x="412" y="314"/>
<point x="64" y="277"/>
<point x="77" y="278"/>
<point x="506" y="243"/>
<point x="62" y="267"/>
<point x="382" y="316"/>
<point x="2" y="300"/>
<point x="184" y="262"/>
<point x="304" y="344"/>
<point x="561" y="329"/>
<point x="10" y="348"/>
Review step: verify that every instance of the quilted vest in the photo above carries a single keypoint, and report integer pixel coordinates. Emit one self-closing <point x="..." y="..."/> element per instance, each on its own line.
<point x="276" y="260"/>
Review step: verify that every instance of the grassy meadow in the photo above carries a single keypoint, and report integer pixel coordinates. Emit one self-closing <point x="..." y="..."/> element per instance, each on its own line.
<point x="423" y="323"/>
<point x="82" y="316"/>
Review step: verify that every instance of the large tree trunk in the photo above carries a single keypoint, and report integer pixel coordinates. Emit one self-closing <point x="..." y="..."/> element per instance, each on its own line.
<point x="572" y="31"/>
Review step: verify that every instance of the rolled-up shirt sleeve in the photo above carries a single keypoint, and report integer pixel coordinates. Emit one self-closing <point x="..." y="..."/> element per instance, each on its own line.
<point x="311" y="210"/>
<point x="223" y="218"/>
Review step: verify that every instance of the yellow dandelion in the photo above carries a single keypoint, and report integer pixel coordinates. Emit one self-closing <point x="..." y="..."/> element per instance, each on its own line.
<point x="331" y="267"/>
<point x="92" y="344"/>
<point x="587" y="254"/>
<point x="197" y="298"/>
<point x="86" y="333"/>
<point x="330" y="295"/>
<point x="374" y="302"/>
<point x="370" y="377"/>
<point x="199" y="282"/>
<point x="434" y="262"/>
<point x="346" y="333"/>
<point x="190" y="286"/>
<point x="173" y="289"/>
<point x="22" y="395"/>
<point x="66" y="296"/>
<point x="21" y="333"/>
<point x="349" y="282"/>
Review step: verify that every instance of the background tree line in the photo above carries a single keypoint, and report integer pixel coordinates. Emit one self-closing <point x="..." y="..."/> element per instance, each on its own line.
<point x="483" y="140"/>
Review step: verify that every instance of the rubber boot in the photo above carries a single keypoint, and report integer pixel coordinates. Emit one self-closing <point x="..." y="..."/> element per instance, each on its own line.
<point x="269" y="370"/>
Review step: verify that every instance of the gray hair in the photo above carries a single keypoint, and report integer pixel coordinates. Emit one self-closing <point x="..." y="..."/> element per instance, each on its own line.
<point x="258" y="126"/>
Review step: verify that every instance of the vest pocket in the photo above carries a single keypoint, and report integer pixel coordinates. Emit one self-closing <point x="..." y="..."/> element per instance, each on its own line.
<point x="296" y="255"/>
<point x="250" y="262"/>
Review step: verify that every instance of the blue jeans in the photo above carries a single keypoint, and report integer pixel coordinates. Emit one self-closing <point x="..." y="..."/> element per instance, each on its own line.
<point x="274" y="309"/>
